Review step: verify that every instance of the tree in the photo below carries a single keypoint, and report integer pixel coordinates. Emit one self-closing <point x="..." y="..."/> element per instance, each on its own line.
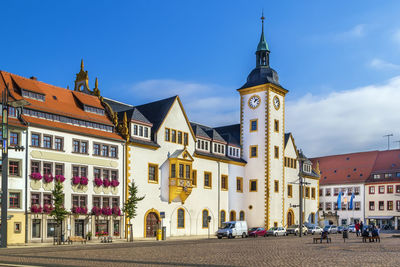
<point x="59" y="213"/>
<point x="130" y="206"/>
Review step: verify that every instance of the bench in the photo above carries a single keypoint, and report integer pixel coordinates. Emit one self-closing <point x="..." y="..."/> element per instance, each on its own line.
<point x="371" y="239"/>
<point x="106" y="239"/>
<point x="316" y="239"/>
<point x="72" y="239"/>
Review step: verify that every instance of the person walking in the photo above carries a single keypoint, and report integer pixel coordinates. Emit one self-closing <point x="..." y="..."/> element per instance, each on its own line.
<point x="361" y="227"/>
<point x="357" y="226"/>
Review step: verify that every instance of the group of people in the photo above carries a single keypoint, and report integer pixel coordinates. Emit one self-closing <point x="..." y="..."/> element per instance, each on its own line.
<point x="366" y="231"/>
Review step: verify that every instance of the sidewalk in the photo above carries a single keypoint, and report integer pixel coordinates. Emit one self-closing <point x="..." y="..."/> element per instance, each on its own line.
<point x="96" y="241"/>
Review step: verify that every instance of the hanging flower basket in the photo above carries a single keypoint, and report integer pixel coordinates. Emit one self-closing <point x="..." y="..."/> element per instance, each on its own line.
<point x="98" y="182"/>
<point x="84" y="181"/>
<point x="36" y="176"/>
<point x="48" y="178"/>
<point x="96" y="211"/>
<point x="106" y="183"/>
<point x="114" y="183"/>
<point x="36" y="208"/>
<point x="76" y="180"/>
<point x="106" y="211"/>
<point x="116" y="211"/>
<point x="60" y="178"/>
<point x="47" y="208"/>
<point x="101" y="233"/>
<point x="79" y="210"/>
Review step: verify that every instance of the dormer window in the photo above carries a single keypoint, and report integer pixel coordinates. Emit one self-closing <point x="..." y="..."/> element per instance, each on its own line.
<point x="203" y="145"/>
<point x="95" y="110"/>
<point x="307" y="168"/>
<point x="33" y="95"/>
<point x="219" y="148"/>
<point x="140" y="131"/>
<point x="233" y="151"/>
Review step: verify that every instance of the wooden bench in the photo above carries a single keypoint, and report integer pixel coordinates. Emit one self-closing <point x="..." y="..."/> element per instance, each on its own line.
<point x="72" y="239"/>
<point x="316" y="239"/>
<point x="371" y="239"/>
<point x="106" y="239"/>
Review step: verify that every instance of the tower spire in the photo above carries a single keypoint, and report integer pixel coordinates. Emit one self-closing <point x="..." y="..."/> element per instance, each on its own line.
<point x="82" y="68"/>
<point x="262" y="53"/>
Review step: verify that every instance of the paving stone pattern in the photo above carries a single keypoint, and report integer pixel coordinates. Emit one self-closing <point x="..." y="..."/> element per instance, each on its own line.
<point x="269" y="251"/>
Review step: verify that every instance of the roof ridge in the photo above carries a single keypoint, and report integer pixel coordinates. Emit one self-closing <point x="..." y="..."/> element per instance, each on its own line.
<point x="149" y="103"/>
<point x="346" y="154"/>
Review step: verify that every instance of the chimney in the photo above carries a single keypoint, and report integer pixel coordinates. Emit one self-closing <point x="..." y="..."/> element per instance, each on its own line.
<point x="33" y="78"/>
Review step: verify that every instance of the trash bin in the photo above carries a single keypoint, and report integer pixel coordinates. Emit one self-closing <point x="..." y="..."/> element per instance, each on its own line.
<point x="62" y="238"/>
<point x="159" y="234"/>
<point x="164" y="233"/>
<point x="345" y="235"/>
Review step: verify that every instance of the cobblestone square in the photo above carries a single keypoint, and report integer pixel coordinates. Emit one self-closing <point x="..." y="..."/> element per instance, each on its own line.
<point x="269" y="251"/>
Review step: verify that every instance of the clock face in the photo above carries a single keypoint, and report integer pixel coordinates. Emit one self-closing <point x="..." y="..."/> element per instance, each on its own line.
<point x="254" y="101"/>
<point x="276" y="102"/>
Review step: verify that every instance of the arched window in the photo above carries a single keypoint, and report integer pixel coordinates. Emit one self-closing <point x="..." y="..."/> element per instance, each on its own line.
<point x="241" y="215"/>
<point x="181" y="218"/>
<point x="205" y="219"/>
<point x="223" y="216"/>
<point x="232" y="216"/>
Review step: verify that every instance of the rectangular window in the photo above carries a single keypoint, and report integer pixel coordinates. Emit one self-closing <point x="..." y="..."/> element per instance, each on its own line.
<point x="253" y="186"/>
<point x="253" y="125"/>
<point x="35" y="140"/>
<point x="224" y="182"/>
<point x="327" y="192"/>
<point x="173" y="170"/>
<point x="390" y="189"/>
<point x="397" y="188"/>
<point x="47" y="168"/>
<point x="47" y="141"/>
<point x="146" y="132"/>
<point x="167" y="135"/>
<point x="114" y="175"/>
<point x="15" y="200"/>
<point x="381" y="189"/>
<point x="13" y="168"/>
<point x="106" y="202"/>
<point x="276" y="152"/>
<point x="187" y="171"/>
<point x="35" y="167"/>
<point x="75" y="171"/>
<point x="336" y="191"/>
<point x="356" y="190"/>
<point x="179" y="137"/>
<point x="357" y="205"/>
<point x="381" y="205"/>
<point x="113" y="151"/>
<point x="36" y="228"/>
<point x="35" y="199"/>
<point x="313" y="193"/>
<point x="14" y="139"/>
<point x="321" y="205"/>
<point x="153" y="173"/>
<point x="83" y="171"/>
<point x="185" y="139"/>
<point x="390" y="205"/>
<point x="276" y="126"/>
<point x="75" y="146"/>
<point x="140" y="130"/>
<point x="96" y="202"/>
<point x="173" y="136"/>
<point x="181" y="169"/>
<point x="253" y="151"/>
<point x="388" y="175"/>
<point x="239" y="184"/>
<point x="96" y="149"/>
<point x="17" y="227"/>
<point x="51" y="228"/>
<point x="321" y="192"/>
<point x="135" y="129"/>
<point x="328" y="206"/>
<point x="290" y="190"/>
<point x="104" y="151"/>
<point x="194" y="177"/>
<point x="397" y="205"/>
<point x="115" y="201"/>
<point x="276" y="186"/>
<point x="307" y="192"/>
<point x="372" y="189"/>
<point x="207" y="180"/>
<point x="46" y="199"/>
<point x="58" y="143"/>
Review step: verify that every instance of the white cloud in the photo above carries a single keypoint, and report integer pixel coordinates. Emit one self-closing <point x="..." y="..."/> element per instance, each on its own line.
<point x="380" y="64"/>
<point x="204" y="103"/>
<point x="358" y="31"/>
<point x="346" y="121"/>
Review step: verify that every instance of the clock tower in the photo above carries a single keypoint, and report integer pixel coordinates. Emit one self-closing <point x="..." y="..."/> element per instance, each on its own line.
<point x="262" y="117"/>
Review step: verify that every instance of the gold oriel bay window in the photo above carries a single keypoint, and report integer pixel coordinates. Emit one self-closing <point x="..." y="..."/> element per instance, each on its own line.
<point x="180" y="175"/>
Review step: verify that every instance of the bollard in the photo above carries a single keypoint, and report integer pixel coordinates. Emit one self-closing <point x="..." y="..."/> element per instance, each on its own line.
<point x="159" y="234"/>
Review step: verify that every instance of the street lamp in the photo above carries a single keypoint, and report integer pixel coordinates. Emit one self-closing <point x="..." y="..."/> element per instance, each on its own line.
<point x="301" y="159"/>
<point x="4" y="174"/>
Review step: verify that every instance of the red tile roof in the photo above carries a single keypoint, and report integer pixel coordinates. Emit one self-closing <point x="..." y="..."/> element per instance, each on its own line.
<point x="388" y="160"/>
<point x="59" y="101"/>
<point x="346" y="168"/>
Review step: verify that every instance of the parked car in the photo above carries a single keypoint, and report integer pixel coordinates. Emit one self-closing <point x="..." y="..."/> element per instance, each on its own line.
<point x="315" y="230"/>
<point x="257" y="231"/>
<point x="232" y="229"/>
<point x="294" y="229"/>
<point x="332" y="229"/>
<point x="275" y="231"/>
<point x="352" y="228"/>
<point x="342" y="228"/>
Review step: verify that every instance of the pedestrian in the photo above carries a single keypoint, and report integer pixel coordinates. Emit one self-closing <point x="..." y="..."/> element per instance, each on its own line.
<point x="361" y="226"/>
<point x="357" y="226"/>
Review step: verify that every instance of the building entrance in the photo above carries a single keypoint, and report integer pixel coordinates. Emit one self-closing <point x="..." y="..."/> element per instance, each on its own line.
<point x="151" y="224"/>
<point x="80" y="228"/>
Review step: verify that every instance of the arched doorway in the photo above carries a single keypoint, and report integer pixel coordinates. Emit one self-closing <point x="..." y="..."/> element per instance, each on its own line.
<point x="290" y="218"/>
<point x="151" y="225"/>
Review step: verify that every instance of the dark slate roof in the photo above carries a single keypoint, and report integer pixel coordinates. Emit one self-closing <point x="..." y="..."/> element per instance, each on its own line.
<point x="215" y="136"/>
<point x="144" y="142"/>
<point x="231" y="133"/>
<point x="261" y="75"/>
<point x="132" y="113"/>
<point x="216" y="156"/>
<point x="198" y="131"/>
<point x="156" y="111"/>
<point x="207" y="132"/>
<point x="287" y="136"/>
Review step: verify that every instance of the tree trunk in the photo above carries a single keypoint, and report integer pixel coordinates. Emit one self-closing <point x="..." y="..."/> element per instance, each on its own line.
<point x="130" y="232"/>
<point x="58" y="233"/>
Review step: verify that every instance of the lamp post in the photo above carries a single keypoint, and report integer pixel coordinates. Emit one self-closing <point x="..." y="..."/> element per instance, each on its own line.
<point x="302" y="183"/>
<point x="4" y="174"/>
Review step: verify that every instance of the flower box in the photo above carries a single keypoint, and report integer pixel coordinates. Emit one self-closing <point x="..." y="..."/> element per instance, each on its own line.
<point x="36" y="176"/>
<point x="96" y="211"/>
<point x="116" y="211"/>
<point x="98" y="181"/>
<point x="48" y="178"/>
<point x="76" y="180"/>
<point x="106" y="183"/>
<point x="60" y="178"/>
<point x="114" y="183"/>
<point x="79" y="210"/>
<point x="47" y="208"/>
<point x="84" y="181"/>
<point x="106" y="211"/>
<point x="36" y="208"/>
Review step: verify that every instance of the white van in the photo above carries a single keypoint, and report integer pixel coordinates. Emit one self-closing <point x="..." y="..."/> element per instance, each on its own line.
<point x="232" y="229"/>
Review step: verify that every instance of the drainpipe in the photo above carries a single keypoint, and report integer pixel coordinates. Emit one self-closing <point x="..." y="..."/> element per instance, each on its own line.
<point x="219" y="194"/>
<point x="26" y="185"/>
<point x="123" y="181"/>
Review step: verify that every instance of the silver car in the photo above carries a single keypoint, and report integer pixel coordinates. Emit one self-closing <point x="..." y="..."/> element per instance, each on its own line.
<point x="315" y="230"/>
<point x="332" y="229"/>
<point x="275" y="231"/>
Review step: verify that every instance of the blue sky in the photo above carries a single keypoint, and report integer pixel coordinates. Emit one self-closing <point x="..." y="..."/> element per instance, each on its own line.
<point x="203" y="50"/>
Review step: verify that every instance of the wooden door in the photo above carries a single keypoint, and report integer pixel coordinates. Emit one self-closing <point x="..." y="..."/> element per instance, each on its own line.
<point x="151" y="224"/>
<point x="290" y="219"/>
